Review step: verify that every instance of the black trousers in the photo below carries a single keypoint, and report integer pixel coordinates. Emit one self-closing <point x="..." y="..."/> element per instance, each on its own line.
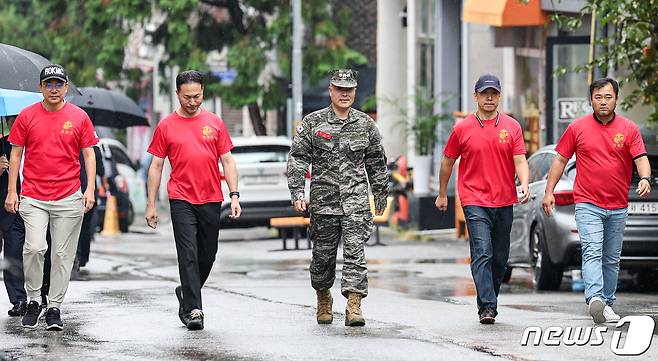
<point x="45" y="285"/>
<point x="86" y="235"/>
<point x="196" y="233"/>
<point x="14" y="239"/>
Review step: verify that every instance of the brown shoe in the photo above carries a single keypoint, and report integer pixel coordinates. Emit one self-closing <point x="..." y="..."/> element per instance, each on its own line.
<point x="324" y="313"/>
<point x="488" y="315"/>
<point x="353" y="315"/>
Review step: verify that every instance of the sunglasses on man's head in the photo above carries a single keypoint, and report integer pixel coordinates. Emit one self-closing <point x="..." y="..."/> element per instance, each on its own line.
<point x="53" y="85"/>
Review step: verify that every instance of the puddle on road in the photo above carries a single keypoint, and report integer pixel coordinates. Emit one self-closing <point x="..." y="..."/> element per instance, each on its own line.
<point x="533" y="308"/>
<point x="438" y="289"/>
<point x="463" y="260"/>
<point x="45" y="342"/>
<point x="190" y="353"/>
<point x="410" y="282"/>
<point x="85" y="276"/>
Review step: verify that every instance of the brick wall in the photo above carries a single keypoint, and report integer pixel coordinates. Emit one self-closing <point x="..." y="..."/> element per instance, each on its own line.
<point x="362" y="34"/>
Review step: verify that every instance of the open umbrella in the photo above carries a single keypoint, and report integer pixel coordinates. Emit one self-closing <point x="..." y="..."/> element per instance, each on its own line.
<point x="19" y="69"/>
<point x="109" y="108"/>
<point x="13" y="101"/>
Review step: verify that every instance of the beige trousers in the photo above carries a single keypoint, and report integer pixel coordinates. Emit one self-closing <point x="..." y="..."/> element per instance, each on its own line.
<point x="65" y="219"/>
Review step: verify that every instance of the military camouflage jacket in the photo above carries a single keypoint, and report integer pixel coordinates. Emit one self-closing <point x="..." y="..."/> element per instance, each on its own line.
<point x="345" y="156"/>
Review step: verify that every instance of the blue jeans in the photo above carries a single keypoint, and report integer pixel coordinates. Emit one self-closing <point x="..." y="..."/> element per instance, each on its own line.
<point x="489" y="238"/>
<point x="601" y="235"/>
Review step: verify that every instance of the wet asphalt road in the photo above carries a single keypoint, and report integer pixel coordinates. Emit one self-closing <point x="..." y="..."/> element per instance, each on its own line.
<point x="259" y="306"/>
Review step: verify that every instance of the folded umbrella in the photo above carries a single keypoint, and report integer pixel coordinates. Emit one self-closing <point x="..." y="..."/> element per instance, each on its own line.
<point x="109" y="108"/>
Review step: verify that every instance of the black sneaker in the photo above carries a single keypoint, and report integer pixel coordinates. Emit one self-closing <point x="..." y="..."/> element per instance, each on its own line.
<point x="53" y="320"/>
<point x="19" y="309"/>
<point x="488" y="315"/>
<point x="195" y="320"/>
<point x="181" y="313"/>
<point x="31" y="317"/>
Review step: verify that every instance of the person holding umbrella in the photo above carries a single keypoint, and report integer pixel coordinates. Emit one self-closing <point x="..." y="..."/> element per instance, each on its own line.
<point x="88" y="223"/>
<point x="195" y="141"/>
<point x="12" y="234"/>
<point x="51" y="133"/>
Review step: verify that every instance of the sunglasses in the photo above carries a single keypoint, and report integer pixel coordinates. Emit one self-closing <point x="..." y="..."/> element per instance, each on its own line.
<point x="54" y="85"/>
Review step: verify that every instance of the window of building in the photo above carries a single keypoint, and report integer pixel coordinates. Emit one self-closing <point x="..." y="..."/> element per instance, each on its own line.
<point x="426" y="48"/>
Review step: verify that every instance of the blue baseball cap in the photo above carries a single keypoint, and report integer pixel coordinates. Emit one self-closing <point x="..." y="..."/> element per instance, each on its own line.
<point x="487" y="81"/>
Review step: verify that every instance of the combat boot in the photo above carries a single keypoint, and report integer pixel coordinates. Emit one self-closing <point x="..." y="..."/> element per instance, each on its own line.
<point x="353" y="315"/>
<point x="324" y="313"/>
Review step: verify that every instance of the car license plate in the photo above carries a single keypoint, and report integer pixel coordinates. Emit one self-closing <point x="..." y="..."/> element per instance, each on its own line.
<point x="643" y="208"/>
<point x="261" y="179"/>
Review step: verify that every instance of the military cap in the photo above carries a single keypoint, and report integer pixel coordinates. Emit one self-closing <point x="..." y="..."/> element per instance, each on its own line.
<point x="344" y="78"/>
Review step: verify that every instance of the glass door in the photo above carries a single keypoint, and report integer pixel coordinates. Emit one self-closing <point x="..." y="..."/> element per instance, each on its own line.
<point x="567" y="94"/>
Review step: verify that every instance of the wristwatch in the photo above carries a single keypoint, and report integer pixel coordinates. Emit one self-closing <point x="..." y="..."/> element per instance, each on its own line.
<point x="648" y="179"/>
<point x="231" y="194"/>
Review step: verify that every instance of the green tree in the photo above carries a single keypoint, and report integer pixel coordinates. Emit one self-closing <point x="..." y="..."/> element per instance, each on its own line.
<point x="86" y="35"/>
<point x="257" y="33"/>
<point x="630" y="45"/>
<point x="73" y="33"/>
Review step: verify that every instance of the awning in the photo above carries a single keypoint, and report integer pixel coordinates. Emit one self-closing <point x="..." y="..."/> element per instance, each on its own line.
<point x="504" y="12"/>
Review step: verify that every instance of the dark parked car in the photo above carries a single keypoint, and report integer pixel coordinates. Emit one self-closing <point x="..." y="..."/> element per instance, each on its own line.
<point x="550" y="245"/>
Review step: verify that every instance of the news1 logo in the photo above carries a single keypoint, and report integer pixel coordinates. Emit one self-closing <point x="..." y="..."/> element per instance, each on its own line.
<point x="637" y="340"/>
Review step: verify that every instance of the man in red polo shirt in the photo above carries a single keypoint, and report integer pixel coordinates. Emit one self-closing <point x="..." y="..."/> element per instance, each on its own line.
<point x="491" y="148"/>
<point x="606" y="146"/>
<point x="195" y="141"/>
<point x="51" y="133"/>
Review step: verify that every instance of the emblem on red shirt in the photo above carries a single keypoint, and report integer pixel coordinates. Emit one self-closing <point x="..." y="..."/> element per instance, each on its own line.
<point x="66" y="127"/>
<point x="207" y="133"/>
<point x="503" y="136"/>
<point x="324" y="135"/>
<point x="619" y="140"/>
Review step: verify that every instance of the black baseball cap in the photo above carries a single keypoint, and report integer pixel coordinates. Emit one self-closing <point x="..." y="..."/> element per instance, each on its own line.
<point x="487" y="81"/>
<point x="53" y="71"/>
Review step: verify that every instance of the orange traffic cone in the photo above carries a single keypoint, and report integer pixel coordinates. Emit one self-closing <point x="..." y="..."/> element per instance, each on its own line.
<point x="111" y="220"/>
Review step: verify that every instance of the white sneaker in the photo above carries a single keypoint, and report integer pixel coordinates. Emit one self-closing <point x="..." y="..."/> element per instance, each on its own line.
<point x="610" y="315"/>
<point x="596" y="307"/>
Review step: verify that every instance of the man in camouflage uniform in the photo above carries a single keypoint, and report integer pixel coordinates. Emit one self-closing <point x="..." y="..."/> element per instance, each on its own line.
<point x="344" y="148"/>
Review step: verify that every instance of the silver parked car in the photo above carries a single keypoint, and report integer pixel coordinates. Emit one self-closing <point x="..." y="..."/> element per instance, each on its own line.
<point x="550" y="245"/>
<point x="263" y="182"/>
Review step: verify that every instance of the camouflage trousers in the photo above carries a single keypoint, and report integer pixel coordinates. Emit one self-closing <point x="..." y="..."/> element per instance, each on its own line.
<point x="326" y="232"/>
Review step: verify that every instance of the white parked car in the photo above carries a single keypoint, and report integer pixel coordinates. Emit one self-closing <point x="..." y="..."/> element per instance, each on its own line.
<point x="263" y="182"/>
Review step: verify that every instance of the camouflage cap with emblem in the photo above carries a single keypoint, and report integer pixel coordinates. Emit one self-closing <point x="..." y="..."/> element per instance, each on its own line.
<point x="344" y="78"/>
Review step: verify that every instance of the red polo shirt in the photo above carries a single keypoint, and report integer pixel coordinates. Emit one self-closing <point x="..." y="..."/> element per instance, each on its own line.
<point x="193" y="146"/>
<point x="604" y="159"/>
<point x="486" y="168"/>
<point x="52" y="142"/>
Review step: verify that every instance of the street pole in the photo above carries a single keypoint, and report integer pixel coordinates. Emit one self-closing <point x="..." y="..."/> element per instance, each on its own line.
<point x="592" y="46"/>
<point x="297" y="33"/>
<point x="411" y="79"/>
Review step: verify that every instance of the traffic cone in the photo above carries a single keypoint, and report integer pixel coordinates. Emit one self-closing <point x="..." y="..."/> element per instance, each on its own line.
<point x="111" y="219"/>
